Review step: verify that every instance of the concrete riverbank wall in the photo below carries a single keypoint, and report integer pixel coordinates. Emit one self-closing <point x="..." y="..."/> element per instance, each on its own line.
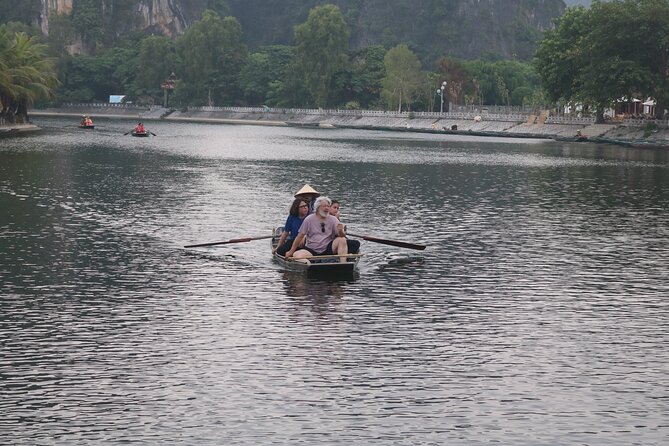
<point x="633" y="132"/>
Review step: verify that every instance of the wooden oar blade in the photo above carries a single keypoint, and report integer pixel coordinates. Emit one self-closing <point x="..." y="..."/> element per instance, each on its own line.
<point x="385" y="241"/>
<point x="234" y="240"/>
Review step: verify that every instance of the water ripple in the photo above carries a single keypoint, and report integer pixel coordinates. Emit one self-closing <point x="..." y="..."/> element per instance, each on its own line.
<point x="537" y="314"/>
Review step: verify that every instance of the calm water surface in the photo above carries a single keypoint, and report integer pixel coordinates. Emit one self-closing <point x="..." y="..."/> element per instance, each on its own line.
<point x="538" y="315"/>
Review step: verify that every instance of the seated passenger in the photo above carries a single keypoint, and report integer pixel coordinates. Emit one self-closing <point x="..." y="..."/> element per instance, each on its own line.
<point x="353" y="245"/>
<point x="324" y="234"/>
<point x="334" y="209"/>
<point x="298" y="212"/>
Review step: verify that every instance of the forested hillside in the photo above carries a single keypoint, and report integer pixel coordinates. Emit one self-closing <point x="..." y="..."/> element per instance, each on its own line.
<point x="467" y="29"/>
<point x="431" y="28"/>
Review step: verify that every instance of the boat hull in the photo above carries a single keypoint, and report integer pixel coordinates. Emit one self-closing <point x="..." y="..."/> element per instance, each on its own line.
<point x="140" y="134"/>
<point x="87" y="127"/>
<point x="319" y="266"/>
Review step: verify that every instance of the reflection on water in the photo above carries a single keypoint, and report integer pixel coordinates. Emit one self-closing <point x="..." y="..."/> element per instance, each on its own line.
<point x="537" y="314"/>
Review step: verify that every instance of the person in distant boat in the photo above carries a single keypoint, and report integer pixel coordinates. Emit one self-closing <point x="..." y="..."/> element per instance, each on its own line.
<point x="298" y="212"/>
<point x="139" y="128"/>
<point x="83" y="120"/>
<point x="309" y="194"/>
<point x="324" y="234"/>
<point x="89" y="121"/>
<point x="353" y="245"/>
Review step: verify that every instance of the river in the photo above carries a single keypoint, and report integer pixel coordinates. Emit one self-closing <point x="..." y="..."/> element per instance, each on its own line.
<point x="538" y="314"/>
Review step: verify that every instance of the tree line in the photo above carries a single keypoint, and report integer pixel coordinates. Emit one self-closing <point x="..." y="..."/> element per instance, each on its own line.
<point x="613" y="52"/>
<point x="593" y="57"/>
<point x="214" y="67"/>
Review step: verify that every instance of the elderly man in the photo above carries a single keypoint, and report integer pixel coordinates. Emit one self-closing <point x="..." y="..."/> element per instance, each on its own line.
<point x="325" y="234"/>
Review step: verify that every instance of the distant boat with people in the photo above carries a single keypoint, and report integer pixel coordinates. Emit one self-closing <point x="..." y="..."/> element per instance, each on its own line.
<point x="86" y="122"/>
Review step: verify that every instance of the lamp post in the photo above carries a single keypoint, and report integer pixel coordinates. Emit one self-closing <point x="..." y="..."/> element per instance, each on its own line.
<point x="440" y="92"/>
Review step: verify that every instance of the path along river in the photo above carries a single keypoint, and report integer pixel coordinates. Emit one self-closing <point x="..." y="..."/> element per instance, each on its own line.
<point x="538" y="315"/>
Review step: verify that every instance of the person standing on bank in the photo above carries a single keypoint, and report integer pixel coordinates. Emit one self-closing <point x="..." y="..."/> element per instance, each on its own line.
<point x="324" y="233"/>
<point x="309" y="194"/>
<point x="298" y="212"/>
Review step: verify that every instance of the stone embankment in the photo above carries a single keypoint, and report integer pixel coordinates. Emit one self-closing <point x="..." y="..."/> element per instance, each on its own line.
<point x="629" y="132"/>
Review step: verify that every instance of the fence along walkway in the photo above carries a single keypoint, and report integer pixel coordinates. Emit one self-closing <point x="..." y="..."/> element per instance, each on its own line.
<point x="487" y="113"/>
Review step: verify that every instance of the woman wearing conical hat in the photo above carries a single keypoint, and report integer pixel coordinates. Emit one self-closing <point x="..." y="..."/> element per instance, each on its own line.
<point x="309" y="194"/>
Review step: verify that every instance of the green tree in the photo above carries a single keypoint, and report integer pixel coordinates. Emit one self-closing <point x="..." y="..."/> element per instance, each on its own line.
<point x="504" y="82"/>
<point x="360" y="83"/>
<point x="26" y="74"/>
<point x="213" y="54"/>
<point x="322" y="50"/>
<point x="265" y="74"/>
<point x="612" y="50"/>
<point x="156" y="61"/>
<point x="94" y="78"/>
<point x="403" y="78"/>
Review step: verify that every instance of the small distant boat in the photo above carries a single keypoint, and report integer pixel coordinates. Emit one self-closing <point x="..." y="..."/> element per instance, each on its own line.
<point x="86" y="126"/>
<point x="317" y="266"/>
<point x="140" y="134"/>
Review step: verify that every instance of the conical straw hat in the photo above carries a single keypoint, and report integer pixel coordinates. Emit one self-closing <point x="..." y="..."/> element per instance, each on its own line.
<point x="306" y="189"/>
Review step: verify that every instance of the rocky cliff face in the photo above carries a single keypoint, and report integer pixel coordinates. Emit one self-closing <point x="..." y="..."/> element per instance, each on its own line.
<point x="164" y="17"/>
<point x="461" y="28"/>
<point x="53" y="6"/>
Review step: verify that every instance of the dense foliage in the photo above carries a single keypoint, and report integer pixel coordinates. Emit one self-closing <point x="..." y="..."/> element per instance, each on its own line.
<point x="26" y="75"/>
<point x="613" y="51"/>
<point x="322" y="51"/>
<point x="213" y="66"/>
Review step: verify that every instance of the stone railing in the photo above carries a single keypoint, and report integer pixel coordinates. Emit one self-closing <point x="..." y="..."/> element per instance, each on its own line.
<point x="378" y="113"/>
<point x="104" y="105"/>
<point x="487" y="113"/>
<point x="569" y="120"/>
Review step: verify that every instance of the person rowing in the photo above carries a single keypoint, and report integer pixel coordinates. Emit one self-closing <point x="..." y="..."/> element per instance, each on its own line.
<point x="324" y="234"/>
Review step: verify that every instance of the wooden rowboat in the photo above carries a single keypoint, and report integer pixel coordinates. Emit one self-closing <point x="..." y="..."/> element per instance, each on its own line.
<point x="320" y="266"/>
<point x="145" y="133"/>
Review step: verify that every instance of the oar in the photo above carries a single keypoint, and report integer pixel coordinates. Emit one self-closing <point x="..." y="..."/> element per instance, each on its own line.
<point x="386" y="241"/>
<point x="234" y="240"/>
<point x="152" y="133"/>
<point x="127" y="132"/>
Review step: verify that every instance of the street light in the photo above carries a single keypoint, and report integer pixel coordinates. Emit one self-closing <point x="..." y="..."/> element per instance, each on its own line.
<point x="440" y="92"/>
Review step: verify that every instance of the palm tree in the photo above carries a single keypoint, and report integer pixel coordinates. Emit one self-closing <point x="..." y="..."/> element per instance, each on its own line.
<point x="26" y="75"/>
